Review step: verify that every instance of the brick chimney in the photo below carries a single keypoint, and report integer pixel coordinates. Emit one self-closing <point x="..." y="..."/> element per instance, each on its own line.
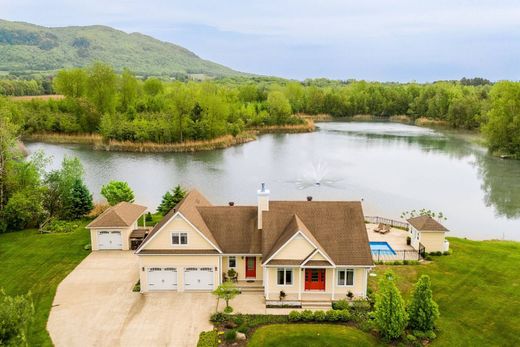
<point x="263" y="202"/>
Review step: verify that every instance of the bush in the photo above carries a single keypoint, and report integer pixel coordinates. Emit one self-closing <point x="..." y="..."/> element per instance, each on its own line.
<point x="238" y="319"/>
<point x="428" y="257"/>
<point x="218" y="317"/>
<point x="430" y="335"/>
<point x="340" y="305"/>
<point x="137" y="286"/>
<point x="398" y="262"/>
<point x="16" y="313"/>
<point x="447" y="252"/>
<point x="319" y="316"/>
<point x="87" y="247"/>
<point x="243" y="329"/>
<point x="230" y="335"/>
<point x="361" y="305"/>
<point x="411" y="338"/>
<point x="344" y="315"/>
<point x="332" y="315"/>
<point x="61" y="226"/>
<point x="367" y="325"/>
<point x="423" y="311"/>
<point x="390" y="313"/>
<point x="208" y="339"/>
<point x="419" y="334"/>
<point x="295" y="316"/>
<point x="228" y="309"/>
<point x="307" y="316"/>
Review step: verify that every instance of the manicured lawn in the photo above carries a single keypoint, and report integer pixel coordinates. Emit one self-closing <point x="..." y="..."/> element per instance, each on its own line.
<point x="310" y="335"/>
<point x="37" y="263"/>
<point x="477" y="289"/>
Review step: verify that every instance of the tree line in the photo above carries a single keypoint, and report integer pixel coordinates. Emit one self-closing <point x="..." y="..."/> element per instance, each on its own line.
<point x="126" y="108"/>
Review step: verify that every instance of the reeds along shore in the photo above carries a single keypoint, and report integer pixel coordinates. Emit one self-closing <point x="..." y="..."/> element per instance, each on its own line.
<point x="99" y="143"/>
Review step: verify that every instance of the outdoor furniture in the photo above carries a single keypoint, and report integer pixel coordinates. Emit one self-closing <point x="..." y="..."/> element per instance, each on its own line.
<point x="386" y="229"/>
<point x="378" y="228"/>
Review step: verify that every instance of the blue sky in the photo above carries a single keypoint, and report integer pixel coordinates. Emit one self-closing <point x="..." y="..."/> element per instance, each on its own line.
<point x="386" y="40"/>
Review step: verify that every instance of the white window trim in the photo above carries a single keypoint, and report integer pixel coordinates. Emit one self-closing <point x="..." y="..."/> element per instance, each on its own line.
<point x="337" y="277"/>
<point x="180" y="244"/>
<point x="285" y="269"/>
<point x="229" y="258"/>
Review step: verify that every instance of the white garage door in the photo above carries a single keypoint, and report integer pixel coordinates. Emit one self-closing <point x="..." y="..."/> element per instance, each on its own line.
<point x="162" y="278"/>
<point x="109" y="240"/>
<point x="198" y="278"/>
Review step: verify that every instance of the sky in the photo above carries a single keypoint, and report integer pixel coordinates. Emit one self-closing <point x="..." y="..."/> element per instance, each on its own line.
<point x="384" y="40"/>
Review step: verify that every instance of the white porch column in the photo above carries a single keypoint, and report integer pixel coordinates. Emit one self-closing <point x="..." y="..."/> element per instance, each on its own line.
<point x="300" y="271"/>
<point x="333" y="282"/>
<point x="266" y="283"/>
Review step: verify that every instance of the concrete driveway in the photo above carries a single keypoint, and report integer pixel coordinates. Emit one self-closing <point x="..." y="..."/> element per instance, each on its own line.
<point x="95" y="306"/>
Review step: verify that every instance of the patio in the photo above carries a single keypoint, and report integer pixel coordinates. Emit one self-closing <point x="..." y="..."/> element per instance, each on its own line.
<point x="396" y="238"/>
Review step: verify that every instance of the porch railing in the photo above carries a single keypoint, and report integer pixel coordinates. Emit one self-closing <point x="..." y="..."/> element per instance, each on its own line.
<point x="392" y="222"/>
<point x="397" y="255"/>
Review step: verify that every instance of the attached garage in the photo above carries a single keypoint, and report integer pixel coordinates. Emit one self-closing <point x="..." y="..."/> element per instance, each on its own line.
<point x="162" y="278"/>
<point x="109" y="240"/>
<point x="198" y="278"/>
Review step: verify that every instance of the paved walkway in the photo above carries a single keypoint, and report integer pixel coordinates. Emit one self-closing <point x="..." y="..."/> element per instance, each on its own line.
<point x="95" y="306"/>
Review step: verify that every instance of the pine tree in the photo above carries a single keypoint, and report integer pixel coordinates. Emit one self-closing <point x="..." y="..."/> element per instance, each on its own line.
<point x="390" y="312"/>
<point x="80" y="201"/>
<point x="423" y="311"/>
<point x="170" y="199"/>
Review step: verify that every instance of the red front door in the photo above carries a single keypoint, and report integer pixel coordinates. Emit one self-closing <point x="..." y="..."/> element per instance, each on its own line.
<point x="250" y="267"/>
<point x="314" y="279"/>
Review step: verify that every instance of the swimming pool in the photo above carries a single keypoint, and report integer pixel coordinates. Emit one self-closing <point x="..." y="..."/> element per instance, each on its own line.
<point x="381" y="248"/>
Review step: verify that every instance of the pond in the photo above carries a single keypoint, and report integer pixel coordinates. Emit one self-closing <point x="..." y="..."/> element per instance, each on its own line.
<point x="391" y="167"/>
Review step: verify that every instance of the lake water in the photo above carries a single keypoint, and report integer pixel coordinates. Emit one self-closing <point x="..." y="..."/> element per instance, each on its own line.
<point x="392" y="167"/>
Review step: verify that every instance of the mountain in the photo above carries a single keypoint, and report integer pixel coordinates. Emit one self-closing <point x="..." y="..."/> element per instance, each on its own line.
<point x="30" y="48"/>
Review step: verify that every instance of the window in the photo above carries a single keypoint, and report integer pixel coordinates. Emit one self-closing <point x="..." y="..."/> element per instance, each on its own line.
<point x="284" y="277"/>
<point x="232" y="262"/>
<point x="345" y="277"/>
<point x="179" y="238"/>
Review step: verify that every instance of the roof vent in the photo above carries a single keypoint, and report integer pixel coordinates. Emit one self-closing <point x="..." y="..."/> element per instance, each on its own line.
<point x="231" y="203"/>
<point x="309" y="198"/>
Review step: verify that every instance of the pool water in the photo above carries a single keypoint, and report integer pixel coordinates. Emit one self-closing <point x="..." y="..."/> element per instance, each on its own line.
<point x="381" y="247"/>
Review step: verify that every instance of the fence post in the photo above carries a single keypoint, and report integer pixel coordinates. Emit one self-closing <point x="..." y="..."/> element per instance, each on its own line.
<point x="378" y="254"/>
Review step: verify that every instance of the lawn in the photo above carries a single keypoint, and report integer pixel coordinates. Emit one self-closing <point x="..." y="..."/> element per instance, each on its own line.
<point x="477" y="289"/>
<point x="38" y="263"/>
<point x="310" y="335"/>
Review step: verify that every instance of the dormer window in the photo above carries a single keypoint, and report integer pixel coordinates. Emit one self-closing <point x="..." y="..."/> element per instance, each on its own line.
<point x="179" y="239"/>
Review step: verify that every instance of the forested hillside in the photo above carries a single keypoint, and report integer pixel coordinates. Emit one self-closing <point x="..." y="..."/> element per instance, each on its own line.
<point x="30" y="48"/>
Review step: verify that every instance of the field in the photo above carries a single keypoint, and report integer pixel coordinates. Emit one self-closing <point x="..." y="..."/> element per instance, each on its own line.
<point x="38" y="263"/>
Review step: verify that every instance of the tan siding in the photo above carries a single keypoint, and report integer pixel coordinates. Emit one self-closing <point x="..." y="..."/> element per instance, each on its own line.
<point x="274" y="289"/>
<point x="358" y="289"/>
<point x="432" y="241"/>
<point x="163" y="239"/>
<point x="297" y="248"/>
<point x="318" y="256"/>
<point x="241" y="267"/>
<point x="179" y="262"/>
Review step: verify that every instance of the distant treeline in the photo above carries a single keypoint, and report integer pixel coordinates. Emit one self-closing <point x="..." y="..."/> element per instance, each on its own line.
<point x="126" y="108"/>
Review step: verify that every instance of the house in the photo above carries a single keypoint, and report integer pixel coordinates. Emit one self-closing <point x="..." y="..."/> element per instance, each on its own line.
<point x="116" y="227"/>
<point x="431" y="234"/>
<point x="306" y="249"/>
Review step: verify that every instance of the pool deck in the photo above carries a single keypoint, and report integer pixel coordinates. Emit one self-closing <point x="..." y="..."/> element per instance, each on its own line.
<point x="396" y="238"/>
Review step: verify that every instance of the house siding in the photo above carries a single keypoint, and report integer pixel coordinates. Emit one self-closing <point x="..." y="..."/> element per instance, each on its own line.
<point x="241" y="267"/>
<point x="432" y="241"/>
<point x="125" y="236"/>
<point x="297" y="248"/>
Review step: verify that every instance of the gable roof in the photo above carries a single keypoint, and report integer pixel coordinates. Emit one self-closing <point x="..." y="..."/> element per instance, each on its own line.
<point x="337" y="226"/>
<point x="426" y="223"/>
<point x="187" y="207"/>
<point x="124" y="214"/>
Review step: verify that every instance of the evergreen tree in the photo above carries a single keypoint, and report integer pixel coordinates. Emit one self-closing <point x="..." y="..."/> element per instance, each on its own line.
<point x="423" y="311"/>
<point x="80" y="201"/>
<point x="390" y="312"/>
<point x="170" y="199"/>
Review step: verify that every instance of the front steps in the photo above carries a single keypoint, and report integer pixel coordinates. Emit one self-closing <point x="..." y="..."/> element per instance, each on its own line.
<point x="316" y="305"/>
<point x="251" y="289"/>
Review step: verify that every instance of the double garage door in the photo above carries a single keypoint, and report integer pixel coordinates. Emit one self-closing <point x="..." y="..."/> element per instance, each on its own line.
<point x="109" y="240"/>
<point x="165" y="278"/>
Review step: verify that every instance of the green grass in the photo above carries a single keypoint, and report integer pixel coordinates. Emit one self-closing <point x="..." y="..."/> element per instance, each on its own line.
<point x="38" y="263"/>
<point x="310" y="335"/>
<point x="477" y="289"/>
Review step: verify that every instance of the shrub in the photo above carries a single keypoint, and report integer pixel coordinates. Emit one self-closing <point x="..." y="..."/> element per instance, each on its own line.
<point x="16" y="313"/>
<point x="361" y="305"/>
<point x="87" y="247"/>
<point x="307" y="316"/>
<point x="430" y="335"/>
<point x="367" y="325"/>
<point x="447" y="252"/>
<point x="411" y="338"/>
<point x="238" y="319"/>
<point x="344" y="315"/>
<point x="208" y="339"/>
<point x="350" y="295"/>
<point x="137" y="286"/>
<point x="390" y="313"/>
<point x="319" y="316"/>
<point x="243" y="329"/>
<point x="218" y="317"/>
<point x="397" y="262"/>
<point x="295" y="316"/>
<point x="428" y="257"/>
<point x="230" y="335"/>
<point x="228" y="309"/>
<point x="340" y="305"/>
<point x="61" y="226"/>
<point x="332" y="315"/>
<point x="422" y="310"/>
<point x="419" y="334"/>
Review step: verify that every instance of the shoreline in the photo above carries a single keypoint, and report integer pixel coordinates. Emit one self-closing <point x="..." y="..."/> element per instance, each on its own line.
<point x="98" y="143"/>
